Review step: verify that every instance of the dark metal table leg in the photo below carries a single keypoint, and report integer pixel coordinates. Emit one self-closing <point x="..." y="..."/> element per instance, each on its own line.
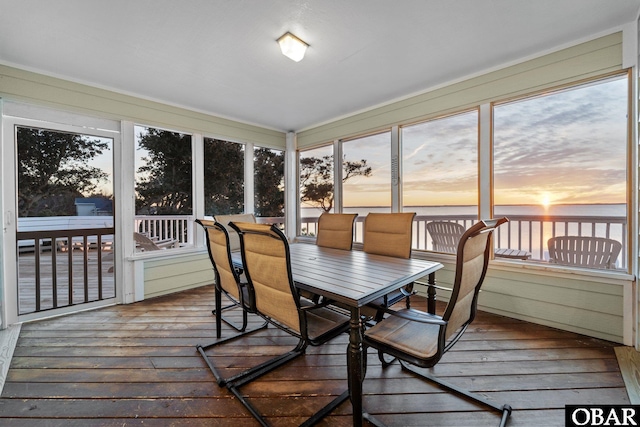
<point x="431" y="293"/>
<point x="355" y="367"/>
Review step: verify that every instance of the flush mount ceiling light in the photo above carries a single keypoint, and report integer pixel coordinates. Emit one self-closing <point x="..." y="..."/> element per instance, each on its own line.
<point x="292" y="47"/>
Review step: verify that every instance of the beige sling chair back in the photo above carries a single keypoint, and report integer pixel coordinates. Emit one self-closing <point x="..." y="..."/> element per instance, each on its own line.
<point x="419" y="339"/>
<point x="267" y="265"/>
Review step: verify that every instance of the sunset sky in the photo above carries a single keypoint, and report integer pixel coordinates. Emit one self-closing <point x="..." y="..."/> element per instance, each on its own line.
<point x="564" y="148"/>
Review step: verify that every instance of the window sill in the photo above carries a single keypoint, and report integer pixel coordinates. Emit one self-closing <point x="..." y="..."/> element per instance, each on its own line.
<point x="537" y="268"/>
<point x="546" y="269"/>
<point x="166" y="253"/>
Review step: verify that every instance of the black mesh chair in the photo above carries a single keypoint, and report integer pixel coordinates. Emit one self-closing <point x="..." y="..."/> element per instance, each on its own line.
<point x="228" y="283"/>
<point x="267" y="264"/>
<point x="419" y="339"/>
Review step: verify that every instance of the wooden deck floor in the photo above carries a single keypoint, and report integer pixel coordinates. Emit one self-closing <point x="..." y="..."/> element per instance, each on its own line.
<point x="83" y="283"/>
<point x="136" y="365"/>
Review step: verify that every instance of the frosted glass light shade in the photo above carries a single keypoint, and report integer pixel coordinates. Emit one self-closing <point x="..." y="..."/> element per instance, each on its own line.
<point x="292" y="47"/>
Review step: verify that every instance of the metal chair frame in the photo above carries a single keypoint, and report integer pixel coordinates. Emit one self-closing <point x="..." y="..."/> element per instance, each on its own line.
<point x="404" y="252"/>
<point x="235" y="383"/>
<point x="245" y="301"/>
<point x="455" y="317"/>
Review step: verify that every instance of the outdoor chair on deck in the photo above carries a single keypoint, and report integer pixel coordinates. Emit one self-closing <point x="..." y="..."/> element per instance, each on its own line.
<point x="584" y="251"/>
<point x="418" y="338"/>
<point x="146" y="244"/>
<point x="336" y="231"/>
<point x="234" y="240"/>
<point x="227" y="282"/>
<point x="445" y="235"/>
<point x="267" y="263"/>
<point x="389" y="234"/>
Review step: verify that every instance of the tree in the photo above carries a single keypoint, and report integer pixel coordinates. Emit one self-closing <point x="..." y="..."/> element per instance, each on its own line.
<point x="223" y="177"/>
<point x="164" y="183"/>
<point x="53" y="170"/>
<point x="316" y="179"/>
<point x="269" y="182"/>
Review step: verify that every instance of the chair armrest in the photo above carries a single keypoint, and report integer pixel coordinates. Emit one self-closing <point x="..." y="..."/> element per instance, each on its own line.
<point x="418" y="316"/>
<point x="406" y="293"/>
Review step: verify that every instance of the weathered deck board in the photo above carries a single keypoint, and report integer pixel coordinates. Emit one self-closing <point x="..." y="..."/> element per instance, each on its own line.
<point x="136" y="365"/>
<point x="80" y="276"/>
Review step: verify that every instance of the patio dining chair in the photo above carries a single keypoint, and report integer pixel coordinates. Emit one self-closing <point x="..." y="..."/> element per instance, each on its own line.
<point x="445" y="235"/>
<point x="234" y="240"/>
<point x="228" y="283"/>
<point x="419" y="339"/>
<point x="267" y="263"/>
<point x="335" y="230"/>
<point x="584" y="251"/>
<point x="389" y="234"/>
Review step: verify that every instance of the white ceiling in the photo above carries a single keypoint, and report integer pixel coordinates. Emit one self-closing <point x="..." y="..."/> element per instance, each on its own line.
<point x="221" y="57"/>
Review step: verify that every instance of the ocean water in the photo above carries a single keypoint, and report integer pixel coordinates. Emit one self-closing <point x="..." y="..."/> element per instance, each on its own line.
<point x="596" y="210"/>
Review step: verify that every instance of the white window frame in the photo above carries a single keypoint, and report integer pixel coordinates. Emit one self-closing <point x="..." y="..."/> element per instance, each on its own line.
<point x="18" y="114"/>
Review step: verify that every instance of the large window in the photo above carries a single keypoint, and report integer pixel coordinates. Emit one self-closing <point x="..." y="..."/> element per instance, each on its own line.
<point x="316" y="186"/>
<point x="164" y="194"/>
<point x="366" y="176"/>
<point x="440" y="176"/>
<point x="560" y="166"/>
<point x="269" y="184"/>
<point x="223" y="177"/>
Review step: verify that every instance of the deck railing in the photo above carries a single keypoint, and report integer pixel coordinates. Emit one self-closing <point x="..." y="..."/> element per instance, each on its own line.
<point x="523" y="232"/>
<point x="55" y="275"/>
<point x="167" y="227"/>
<point x="179" y="227"/>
